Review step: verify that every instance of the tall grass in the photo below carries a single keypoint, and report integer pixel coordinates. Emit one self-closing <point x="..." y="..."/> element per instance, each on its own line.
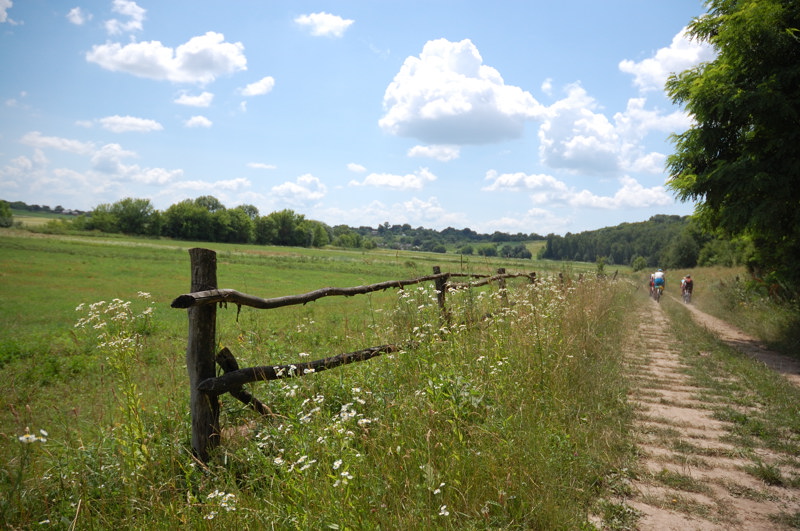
<point x="509" y="412"/>
<point x="733" y="296"/>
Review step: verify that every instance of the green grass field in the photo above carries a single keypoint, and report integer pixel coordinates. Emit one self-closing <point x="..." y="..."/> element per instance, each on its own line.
<point x="487" y="422"/>
<point x="512" y="413"/>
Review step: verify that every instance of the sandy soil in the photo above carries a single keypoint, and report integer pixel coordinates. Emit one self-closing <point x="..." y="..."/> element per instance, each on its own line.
<point x="691" y="477"/>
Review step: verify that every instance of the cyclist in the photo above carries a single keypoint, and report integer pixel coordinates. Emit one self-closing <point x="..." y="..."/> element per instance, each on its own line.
<point x="652" y="276"/>
<point x="687" y="285"/>
<point x="659" y="280"/>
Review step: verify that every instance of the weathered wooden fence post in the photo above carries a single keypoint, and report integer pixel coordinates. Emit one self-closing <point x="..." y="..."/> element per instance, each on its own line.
<point x="441" y="287"/>
<point x="441" y="291"/>
<point x="501" y="283"/>
<point x="200" y="361"/>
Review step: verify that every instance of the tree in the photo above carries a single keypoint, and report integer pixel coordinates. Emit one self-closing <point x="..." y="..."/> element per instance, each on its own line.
<point x="265" y="230"/>
<point x="188" y="221"/>
<point x="133" y="216"/>
<point x="740" y="159"/>
<point x="6" y="217"/>
<point x="209" y="202"/>
<point x="681" y="252"/>
<point x="319" y="232"/>
<point x="639" y="263"/>
<point x="287" y="223"/>
<point x="242" y="226"/>
<point x="103" y="219"/>
<point x="250" y="210"/>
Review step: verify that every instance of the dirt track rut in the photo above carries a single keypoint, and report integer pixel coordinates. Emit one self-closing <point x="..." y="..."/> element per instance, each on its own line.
<point x="691" y="477"/>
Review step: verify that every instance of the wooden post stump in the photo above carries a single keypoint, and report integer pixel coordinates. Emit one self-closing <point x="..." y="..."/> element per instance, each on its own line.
<point x="200" y="355"/>
<point x="501" y="283"/>
<point x="441" y="287"/>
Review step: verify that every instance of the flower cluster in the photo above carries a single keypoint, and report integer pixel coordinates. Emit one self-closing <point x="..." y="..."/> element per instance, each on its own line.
<point x="301" y="464"/>
<point x="113" y="319"/>
<point x="29" y="438"/>
<point x="226" y="501"/>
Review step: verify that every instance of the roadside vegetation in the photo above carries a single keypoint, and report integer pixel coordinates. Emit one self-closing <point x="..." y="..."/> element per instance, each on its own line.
<point x="752" y="305"/>
<point x="509" y="415"/>
<point x="759" y="403"/>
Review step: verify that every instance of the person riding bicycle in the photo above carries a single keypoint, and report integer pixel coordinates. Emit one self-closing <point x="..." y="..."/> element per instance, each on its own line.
<point x="659" y="280"/>
<point x="687" y="285"/>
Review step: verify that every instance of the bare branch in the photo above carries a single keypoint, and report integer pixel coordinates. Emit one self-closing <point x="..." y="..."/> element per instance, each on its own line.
<point x="229" y="364"/>
<point x="229" y="295"/>
<point x="235" y="379"/>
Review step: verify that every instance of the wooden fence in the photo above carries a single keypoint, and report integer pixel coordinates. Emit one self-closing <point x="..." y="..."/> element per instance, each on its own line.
<point x="201" y="361"/>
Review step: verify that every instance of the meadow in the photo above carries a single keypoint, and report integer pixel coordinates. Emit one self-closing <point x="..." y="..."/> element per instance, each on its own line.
<point x="510" y="414"/>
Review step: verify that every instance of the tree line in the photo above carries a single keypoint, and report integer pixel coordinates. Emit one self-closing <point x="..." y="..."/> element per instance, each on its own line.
<point x="662" y="241"/>
<point x="207" y="219"/>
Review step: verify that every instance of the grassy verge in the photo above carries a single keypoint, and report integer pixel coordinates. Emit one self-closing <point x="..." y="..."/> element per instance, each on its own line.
<point x="759" y="403"/>
<point x="512" y="414"/>
<point x="729" y="295"/>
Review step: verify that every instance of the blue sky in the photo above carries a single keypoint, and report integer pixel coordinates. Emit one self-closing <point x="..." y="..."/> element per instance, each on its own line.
<point x="517" y="116"/>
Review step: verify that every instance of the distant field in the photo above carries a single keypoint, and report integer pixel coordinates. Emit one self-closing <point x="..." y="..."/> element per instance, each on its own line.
<point x="35" y="219"/>
<point x="44" y="277"/>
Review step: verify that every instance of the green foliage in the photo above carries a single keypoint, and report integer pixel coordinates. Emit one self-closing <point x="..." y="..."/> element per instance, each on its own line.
<point x="6" y="218"/>
<point x="740" y="159"/>
<point x="619" y="244"/>
<point x="639" y="263"/>
<point x="206" y="219"/>
<point x="762" y="309"/>
<point x="437" y="436"/>
<point x="682" y="251"/>
<point x="515" y="251"/>
<point x="601" y="266"/>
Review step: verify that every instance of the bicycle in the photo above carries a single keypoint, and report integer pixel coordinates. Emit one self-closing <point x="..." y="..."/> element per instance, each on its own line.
<point x="657" y="293"/>
<point x="687" y="296"/>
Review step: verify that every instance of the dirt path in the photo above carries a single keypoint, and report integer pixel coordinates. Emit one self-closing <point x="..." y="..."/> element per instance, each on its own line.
<point x="752" y="347"/>
<point x="691" y="477"/>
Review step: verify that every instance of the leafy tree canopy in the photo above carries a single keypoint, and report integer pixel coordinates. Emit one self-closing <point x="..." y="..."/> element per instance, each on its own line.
<point x="740" y="160"/>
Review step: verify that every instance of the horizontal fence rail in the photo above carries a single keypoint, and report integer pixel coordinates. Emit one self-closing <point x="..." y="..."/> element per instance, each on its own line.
<point x="235" y="379"/>
<point x="206" y="385"/>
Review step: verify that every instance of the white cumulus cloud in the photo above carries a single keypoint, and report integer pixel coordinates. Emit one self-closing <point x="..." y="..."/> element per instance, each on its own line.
<point x="198" y="121"/>
<point x="203" y="99"/>
<point x="305" y="188"/>
<point x="125" y="124"/>
<point x="135" y="17"/>
<point x="200" y="60"/>
<point x="438" y="152"/>
<point x="357" y="168"/>
<point x="448" y="96"/>
<point x="682" y="53"/>
<point x="37" y="140"/>
<point x="574" y="136"/>
<point x="324" y="24"/>
<point x="260" y="87"/>
<point x="411" y="181"/>
<point x="544" y="189"/>
<point x="78" y="17"/>
<point x="261" y="166"/>
<point x="229" y="185"/>
<point x="547" y="190"/>
<point x="631" y="195"/>
<point x="5" y="5"/>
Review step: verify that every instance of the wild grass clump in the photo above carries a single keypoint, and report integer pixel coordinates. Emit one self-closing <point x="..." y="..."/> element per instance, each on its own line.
<point x="507" y="411"/>
<point x="755" y="308"/>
